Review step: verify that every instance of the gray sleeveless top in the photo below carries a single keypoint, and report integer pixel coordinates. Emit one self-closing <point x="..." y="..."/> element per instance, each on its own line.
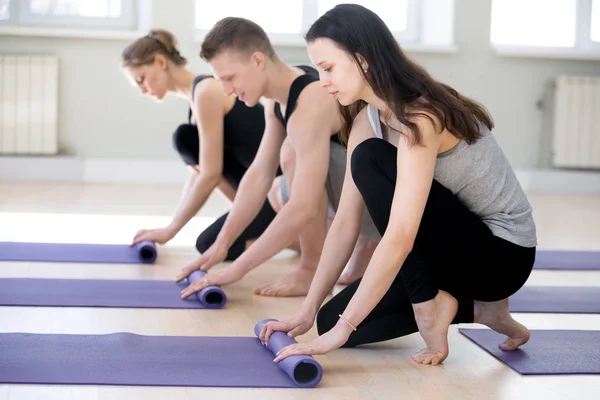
<point x="483" y="180"/>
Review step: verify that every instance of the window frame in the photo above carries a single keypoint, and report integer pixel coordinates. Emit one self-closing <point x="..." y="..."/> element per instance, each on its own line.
<point x="21" y="18"/>
<point x="310" y="9"/>
<point x="12" y="7"/>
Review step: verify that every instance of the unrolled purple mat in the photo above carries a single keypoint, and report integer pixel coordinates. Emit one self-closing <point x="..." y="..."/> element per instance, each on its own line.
<point x="548" y="352"/>
<point x="556" y="299"/>
<point x="143" y="252"/>
<point x="567" y="260"/>
<point x="122" y="293"/>
<point x="130" y="359"/>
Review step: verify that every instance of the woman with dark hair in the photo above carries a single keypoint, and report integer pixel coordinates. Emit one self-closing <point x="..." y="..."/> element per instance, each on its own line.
<point x="438" y="187"/>
<point x="218" y="144"/>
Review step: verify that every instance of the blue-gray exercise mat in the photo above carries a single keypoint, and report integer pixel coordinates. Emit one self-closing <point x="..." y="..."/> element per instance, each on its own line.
<point x="567" y="260"/>
<point x="116" y="293"/>
<point x="548" y="352"/>
<point x="136" y="360"/>
<point x="556" y="299"/>
<point x="140" y="253"/>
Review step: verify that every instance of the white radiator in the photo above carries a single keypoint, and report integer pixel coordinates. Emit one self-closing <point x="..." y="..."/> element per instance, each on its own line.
<point x="28" y="105"/>
<point x="576" y="139"/>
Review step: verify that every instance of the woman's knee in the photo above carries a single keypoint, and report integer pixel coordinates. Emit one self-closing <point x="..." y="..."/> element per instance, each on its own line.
<point x="185" y="142"/>
<point x="362" y="160"/>
<point x="209" y="235"/>
<point x="205" y="240"/>
<point x="326" y="319"/>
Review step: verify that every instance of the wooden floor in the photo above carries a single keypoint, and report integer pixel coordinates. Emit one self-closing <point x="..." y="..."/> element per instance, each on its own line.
<point x="381" y="371"/>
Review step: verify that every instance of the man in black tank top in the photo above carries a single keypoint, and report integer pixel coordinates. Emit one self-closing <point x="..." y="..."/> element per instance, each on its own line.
<point x="302" y="123"/>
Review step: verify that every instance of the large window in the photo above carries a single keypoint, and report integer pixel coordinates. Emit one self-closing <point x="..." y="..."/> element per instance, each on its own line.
<point x="546" y="25"/>
<point x="95" y="14"/>
<point x="286" y="21"/>
<point x="275" y="16"/>
<point x="4" y="10"/>
<point x="595" y="31"/>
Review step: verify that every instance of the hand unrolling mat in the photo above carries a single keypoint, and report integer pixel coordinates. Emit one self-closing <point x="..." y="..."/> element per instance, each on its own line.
<point x="130" y="359"/>
<point x="567" y="260"/>
<point x="556" y="299"/>
<point x="143" y="252"/>
<point x="548" y="352"/>
<point x="123" y="293"/>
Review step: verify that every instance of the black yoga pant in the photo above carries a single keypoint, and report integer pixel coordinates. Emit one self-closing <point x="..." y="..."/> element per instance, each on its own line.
<point x="186" y="142"/>
<point x="453" y="251"/>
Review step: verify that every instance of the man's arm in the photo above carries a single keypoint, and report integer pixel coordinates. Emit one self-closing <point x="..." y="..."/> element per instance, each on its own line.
<point x="256" y="182"/>
<point x="310" y="128"/>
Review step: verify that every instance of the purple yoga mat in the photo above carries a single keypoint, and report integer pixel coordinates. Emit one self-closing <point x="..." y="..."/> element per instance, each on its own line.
<point x="548" y="352"/>
<point x="143" y="252"/>
<point x="123" y="293"/>
<point x="567" y="260"/>
<point x="129" y="359"/>
<point x="556" y="299"/>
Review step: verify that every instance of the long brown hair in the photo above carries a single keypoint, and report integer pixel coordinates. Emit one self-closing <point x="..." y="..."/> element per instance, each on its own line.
<point x="394" y="78"/>
<point x="143" y="50"/>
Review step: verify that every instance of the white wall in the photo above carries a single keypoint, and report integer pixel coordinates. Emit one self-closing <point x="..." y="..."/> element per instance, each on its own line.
<point x="103" y="116"/>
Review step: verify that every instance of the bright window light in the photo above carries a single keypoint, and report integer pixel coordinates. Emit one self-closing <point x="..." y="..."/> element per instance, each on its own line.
<point x="274" y="16"/>
<point x="549" y="23"/>
<point x="79" y="8"/>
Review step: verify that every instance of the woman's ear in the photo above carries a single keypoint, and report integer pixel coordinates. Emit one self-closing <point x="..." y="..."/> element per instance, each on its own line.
<point x="161" y="61"/>
<point x="363" y="63"/>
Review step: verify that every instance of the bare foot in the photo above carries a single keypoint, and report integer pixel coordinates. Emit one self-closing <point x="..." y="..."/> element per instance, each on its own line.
<point x="294" y="283"/>
<point x="433" y="319"/>
<point x="496" y="316"/>
<point x="363" y="251"/>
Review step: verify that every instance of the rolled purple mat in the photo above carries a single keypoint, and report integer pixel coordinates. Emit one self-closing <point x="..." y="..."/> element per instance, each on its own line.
<point x="303" y="370"/>
<point x="146" y="251"/>
<point x="120" y="293"/>
<point x="143" y="252"/>
<point x="210" y="296"/>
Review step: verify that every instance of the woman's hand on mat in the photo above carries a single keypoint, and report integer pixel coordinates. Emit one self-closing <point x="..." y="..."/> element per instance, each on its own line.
<point x="160" y="236"/>
<point x="329" y="341"/>
<point x="299" y="324"/>
<point x="222" y="277"/>
<point x="211" y="257"/>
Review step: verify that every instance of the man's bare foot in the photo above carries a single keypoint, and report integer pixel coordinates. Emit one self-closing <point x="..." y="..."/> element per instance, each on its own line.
<point x="433" y="319"/>
<point x="294" y="283"/>
<point x="363" y="251"/>
<point x="496" y="316"/>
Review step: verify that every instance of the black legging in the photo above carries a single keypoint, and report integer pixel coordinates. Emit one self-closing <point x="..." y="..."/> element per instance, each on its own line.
<point x="186" y="142"/>
<point x="453" y="251"/>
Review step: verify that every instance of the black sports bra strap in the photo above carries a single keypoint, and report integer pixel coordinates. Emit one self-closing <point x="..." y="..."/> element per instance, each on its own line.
<point x="197" y="80"/>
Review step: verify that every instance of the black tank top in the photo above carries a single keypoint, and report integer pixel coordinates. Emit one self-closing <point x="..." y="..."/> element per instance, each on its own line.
<point x="243" y="128"/>
<point x="311" y="75"/>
